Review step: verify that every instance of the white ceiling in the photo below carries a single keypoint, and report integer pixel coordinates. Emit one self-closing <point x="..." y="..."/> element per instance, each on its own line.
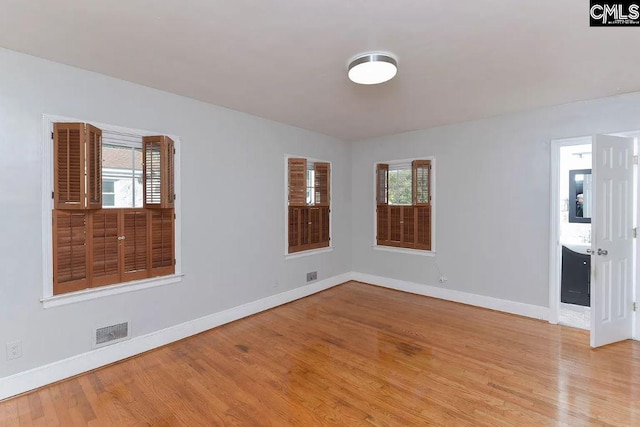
<point x="286" y="60"/>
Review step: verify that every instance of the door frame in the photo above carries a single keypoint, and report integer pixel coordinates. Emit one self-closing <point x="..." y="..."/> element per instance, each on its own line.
<point x="555" y="254"/>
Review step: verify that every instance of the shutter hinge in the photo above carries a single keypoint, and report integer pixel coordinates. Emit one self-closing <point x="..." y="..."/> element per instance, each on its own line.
<point x="635" y="232"/>
<point x="175" y="197"/>
<point x="174" y="215"/>
<point x="634" y="306"/>
<point x="635" y="159"/>
<point x="52" y="136"/>
<point x="52" y="195"/>
<point x="174" y="151"/>
<point x="174" y="261"/>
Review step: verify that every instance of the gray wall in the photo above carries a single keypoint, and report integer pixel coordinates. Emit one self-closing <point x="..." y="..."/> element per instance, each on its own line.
<point x="232" y="207"/>
<point x="493" y="197"/>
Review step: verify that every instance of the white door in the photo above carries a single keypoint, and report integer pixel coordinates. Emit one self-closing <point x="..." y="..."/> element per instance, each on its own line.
<point x="612" y="240"/>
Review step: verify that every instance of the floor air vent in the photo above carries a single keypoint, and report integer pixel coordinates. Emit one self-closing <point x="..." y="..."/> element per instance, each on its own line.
<point x="111" y="334"/>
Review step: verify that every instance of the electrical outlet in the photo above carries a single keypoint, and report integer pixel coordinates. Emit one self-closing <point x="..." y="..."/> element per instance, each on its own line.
<point x="312" y="276"/>
<point x="14" y="350"/>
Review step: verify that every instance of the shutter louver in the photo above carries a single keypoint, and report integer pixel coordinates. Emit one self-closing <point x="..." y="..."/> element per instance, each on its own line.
<point x="105" y="268"/>
<point x="382" y="184"/>
<point x="135" y="244"/>
<point x="322" y="180"/>
<point x="158" y="172"/>
<point x="162" y="242"/>
<point x="421" y="182"/>
<point x="70" y="251"/>
<point x="297" y="169"/>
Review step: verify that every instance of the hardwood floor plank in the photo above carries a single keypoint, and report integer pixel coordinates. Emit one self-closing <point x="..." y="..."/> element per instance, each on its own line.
<point x="356" y="355"/>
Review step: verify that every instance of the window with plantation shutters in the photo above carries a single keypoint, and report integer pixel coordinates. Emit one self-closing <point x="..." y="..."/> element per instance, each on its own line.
<point x="309" y="201"/>
<point x="132" y="236"/>
<point x="404" y="204"/>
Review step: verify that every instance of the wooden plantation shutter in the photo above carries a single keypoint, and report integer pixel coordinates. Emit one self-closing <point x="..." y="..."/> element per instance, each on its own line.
<point x="297" y="169"/>
<point x="162" y="249"/>
<point x="382" y="203"/>
<point x="134" y="237"/>
<point x="421" y="174"/>
<point x="322" y="180"/>
<point x="420" y="182"/>
<point x="294" y="228"/>
<point x="68" y="143"/>
<point x="94" y="166"/>
<point x="423" y="227"/>
<point x="69" y="251"/>
<point x="382" y="184"/>
<point x="325" y="229"/>
<point x="77" y="152"/>
<point x="105" y="247"/>
<point x="158" y="171"/>
<point x="159" y="192"/>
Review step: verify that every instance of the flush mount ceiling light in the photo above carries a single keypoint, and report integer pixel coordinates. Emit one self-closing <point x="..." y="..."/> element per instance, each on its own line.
<point x="372" y="68"/>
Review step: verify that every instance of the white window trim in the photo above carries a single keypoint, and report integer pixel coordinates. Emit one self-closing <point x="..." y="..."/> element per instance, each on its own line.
<point x="48" y="299"/>
<point x="432" y="184"/>
<point x="301" y="254"/>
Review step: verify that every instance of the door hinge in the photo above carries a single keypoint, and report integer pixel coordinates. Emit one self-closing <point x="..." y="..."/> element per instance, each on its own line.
<point x="634" y="306"/>
<point x="635" y="159"/>
<point x="635" y="232"/>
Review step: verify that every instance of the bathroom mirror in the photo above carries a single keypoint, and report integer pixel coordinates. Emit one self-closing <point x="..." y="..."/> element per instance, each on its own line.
<point x="580" y="195"/>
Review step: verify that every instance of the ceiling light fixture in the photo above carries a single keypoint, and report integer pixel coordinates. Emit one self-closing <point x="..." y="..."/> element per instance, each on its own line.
<point x="372" y="68"/>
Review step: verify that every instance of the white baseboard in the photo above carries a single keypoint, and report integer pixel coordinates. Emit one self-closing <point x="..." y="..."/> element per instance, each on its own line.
<point x="56" y="371"/>
<point x="522" y="309"/>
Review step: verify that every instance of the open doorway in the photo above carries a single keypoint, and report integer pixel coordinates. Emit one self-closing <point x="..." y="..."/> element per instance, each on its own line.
<point x="573" y="217"/>
<point x="593" y="253"/>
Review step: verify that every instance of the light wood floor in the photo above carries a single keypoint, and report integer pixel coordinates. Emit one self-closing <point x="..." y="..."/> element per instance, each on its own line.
<point x="356" y="355"/>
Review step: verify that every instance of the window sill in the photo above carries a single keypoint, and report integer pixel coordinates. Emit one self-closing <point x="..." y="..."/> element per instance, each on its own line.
<point x="419" y="252"/>
<point x="308" y="253"/>
<point x="89" y="294"/>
